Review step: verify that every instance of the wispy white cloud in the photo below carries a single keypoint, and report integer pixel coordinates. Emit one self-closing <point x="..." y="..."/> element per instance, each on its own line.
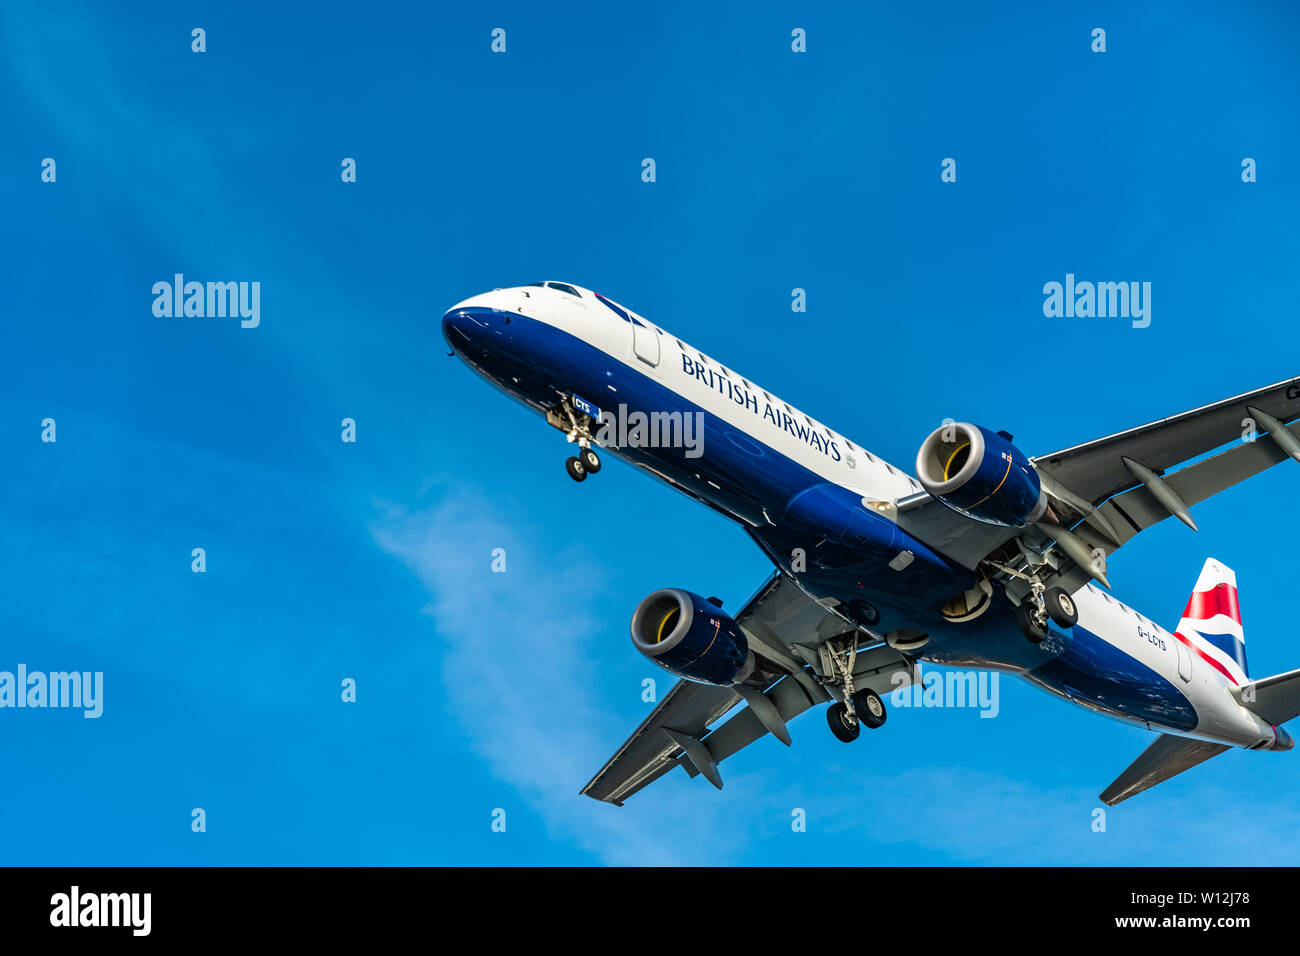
<point x="519" y="677"/>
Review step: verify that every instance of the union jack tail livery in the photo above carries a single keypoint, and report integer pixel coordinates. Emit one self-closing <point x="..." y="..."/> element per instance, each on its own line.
<point x="1211" y="625"/>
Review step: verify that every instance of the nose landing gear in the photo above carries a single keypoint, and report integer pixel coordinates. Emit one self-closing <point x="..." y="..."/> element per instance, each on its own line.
<point x="577" y="471"/>
<point x="577" y="427"/>
<point x="585" y="462"/>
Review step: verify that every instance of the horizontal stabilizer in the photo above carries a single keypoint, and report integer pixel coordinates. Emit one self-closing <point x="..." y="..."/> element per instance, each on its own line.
<point x="1168" y="756"/>
<point x="1276" y="698"/>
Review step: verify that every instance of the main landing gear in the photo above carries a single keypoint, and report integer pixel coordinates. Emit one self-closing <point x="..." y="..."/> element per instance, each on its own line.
<point x="577" y="428"/>
<point x="857" y="708"/>
<point x="868" y="710"/>
<point x="1043" y="604"/>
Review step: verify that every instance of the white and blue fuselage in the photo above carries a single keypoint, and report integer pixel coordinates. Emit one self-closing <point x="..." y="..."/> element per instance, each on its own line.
<point x="820" y="507"/>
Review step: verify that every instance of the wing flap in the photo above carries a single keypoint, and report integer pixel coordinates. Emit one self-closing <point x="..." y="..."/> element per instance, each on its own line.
<point x="790" y="699"/>
<point x="688" y="708"/>
<point x="1168" y="756"/>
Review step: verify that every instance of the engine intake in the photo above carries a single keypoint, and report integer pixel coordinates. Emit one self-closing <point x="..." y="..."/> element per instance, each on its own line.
<point x="980" y="474"/>
<point x="687" y="636"/>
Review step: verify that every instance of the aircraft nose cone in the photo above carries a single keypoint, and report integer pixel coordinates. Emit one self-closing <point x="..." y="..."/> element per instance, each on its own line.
<point x="457" y="328"/>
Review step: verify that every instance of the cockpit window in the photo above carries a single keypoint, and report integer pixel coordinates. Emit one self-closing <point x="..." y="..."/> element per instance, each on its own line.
<point x="565" y="288"/>
<point x="616" y="308"/>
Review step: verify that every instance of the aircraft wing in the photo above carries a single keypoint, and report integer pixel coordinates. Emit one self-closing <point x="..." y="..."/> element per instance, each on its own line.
<point x="1123" y="484"/>
<point x="1106" y="491"/>
<point x="677" y="732"/>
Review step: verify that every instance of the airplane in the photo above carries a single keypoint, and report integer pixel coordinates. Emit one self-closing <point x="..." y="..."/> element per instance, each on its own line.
<point x="986" y="558"/>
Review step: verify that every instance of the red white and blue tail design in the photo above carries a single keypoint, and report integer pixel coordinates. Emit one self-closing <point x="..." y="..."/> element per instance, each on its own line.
<point x="1211" y="625"/>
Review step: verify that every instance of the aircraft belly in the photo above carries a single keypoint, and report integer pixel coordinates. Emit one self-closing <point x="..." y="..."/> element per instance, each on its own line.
<point x="1092" y="671"/>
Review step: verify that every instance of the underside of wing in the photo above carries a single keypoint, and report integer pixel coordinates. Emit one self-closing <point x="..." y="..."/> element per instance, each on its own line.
<point x="1095" y="470"/>
<point x="782" y="625"/>
<point x="1118" y="486"/>
<point x="1104" y="492"/>
<point x="650" y="753"/>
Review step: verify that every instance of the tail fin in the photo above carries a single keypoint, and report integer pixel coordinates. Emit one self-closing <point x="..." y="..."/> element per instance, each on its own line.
<point x="1211" y="625"/>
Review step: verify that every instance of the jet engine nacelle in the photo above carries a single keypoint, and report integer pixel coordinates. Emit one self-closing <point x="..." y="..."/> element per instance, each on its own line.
<point x="686" y="635"/>
<point x="980" y="474"/>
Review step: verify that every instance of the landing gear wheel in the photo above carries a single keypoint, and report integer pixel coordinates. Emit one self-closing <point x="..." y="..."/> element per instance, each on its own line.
<point x="576" y="470"/>
<point x="870" y="708"/>
<point x="843" y="726"/>
<point x="1028" y="626"/>
<point x="590" y="460"/>
<point x="1060" y="607"/>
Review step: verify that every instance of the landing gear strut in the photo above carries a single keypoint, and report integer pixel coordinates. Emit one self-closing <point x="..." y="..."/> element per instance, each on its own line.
<point x="858" y="708"/>
<point x="577" y="428"/>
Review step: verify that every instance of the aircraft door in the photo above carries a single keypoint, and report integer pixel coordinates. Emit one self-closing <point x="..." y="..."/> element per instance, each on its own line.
<point x="1184" y="660"/>
<point x="645" y="343"/>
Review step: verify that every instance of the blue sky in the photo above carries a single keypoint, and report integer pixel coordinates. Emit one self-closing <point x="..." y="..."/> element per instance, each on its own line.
<point x="775" y="170"/>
